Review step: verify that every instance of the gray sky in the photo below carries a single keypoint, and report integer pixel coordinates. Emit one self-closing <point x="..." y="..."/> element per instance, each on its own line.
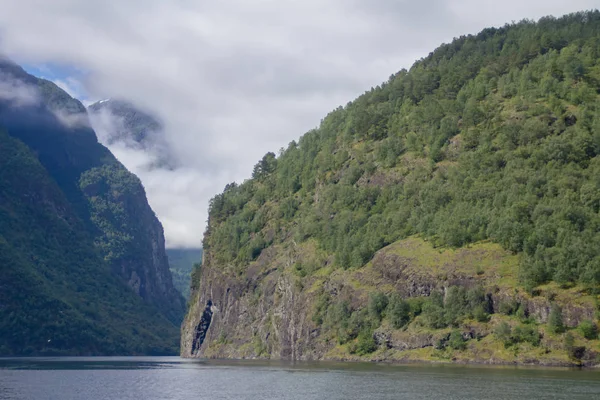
<point x="233" y="79"/>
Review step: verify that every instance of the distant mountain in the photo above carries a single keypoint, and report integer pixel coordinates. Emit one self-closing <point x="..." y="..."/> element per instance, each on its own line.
<point x="120" y="122"/>
<point x="182" y="262"/>
<point x="83" y="268"/>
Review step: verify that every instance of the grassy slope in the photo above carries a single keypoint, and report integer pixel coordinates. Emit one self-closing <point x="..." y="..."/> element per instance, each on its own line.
<point x="492" y="268"/>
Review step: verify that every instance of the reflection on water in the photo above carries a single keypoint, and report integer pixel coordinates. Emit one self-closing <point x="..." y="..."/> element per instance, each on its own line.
<point x="174" y="378"/>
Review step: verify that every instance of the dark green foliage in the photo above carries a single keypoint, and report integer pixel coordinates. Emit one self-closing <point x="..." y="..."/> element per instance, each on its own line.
<point x="366" y="343"/>
<point x="589" y="329"/>
<point x="569" y="344"/>
<point x="555" y="320"/>
<point x="480" y="314"/>
<point x="508" y="307"/>
<point x="105" y="186"/>
<point x="399" y="312"/>
<point x="265" y="166"/>
<point x="348" y="324"/>
<point x="378" y="303"/>
<point x="361" y="321"/>
<point x="503" y="333"/>
<point x="522" y="315"/>
<point x="433" y="311"/>
<point x="520" y="334"/>
<point x="493" y="136"/>
<point x="458" y="305"/>
<point x="416" y="305"/>
<point x="195" y="277"/>
<point x="321" y="307"/>
<point x="456" y="340"/>
<point x="74" y="224"/>
<point x="526" y="333"/>
<point x="59" y="297"/>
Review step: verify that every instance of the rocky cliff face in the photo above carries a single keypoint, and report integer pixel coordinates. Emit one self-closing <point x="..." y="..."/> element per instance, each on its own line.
<point x="271" y="312"/>
<point x="130" y="236"/>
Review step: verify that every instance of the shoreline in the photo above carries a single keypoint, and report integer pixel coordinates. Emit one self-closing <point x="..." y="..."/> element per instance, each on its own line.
<point x="424" y="362"/>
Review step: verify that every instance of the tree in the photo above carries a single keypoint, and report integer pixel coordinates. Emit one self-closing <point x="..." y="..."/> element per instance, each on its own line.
<point x="366" y="343"/>
<point x="555" y="320"/>
<point x="378" y="302"/>
<point x="265" y="166"/>
<point x="398" y="312"/>
<point x="456" y="340"/>
<point x="589" y="329"/>
<point x="504" y="333"/>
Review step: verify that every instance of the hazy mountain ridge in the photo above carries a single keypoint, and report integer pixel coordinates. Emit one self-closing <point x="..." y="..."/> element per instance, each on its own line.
<point x="120" y="122"/>
<point x="182" y="262"/>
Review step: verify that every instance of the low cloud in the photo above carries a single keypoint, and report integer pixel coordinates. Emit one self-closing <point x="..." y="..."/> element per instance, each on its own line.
<point x="234" y="79"/>
<point x="72" y="120"/>
<point x="112" y="131"/>
<point x="17" y="93"/>
<point x="179" y="195"/>
<point x="72" y="86"/>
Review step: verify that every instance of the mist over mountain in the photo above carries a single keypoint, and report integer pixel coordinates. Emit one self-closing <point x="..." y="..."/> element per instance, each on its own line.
<point x="119" y="123"/>
<point x="82" y="255"/>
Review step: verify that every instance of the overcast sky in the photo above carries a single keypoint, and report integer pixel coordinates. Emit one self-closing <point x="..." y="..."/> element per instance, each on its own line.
<point x="233" y="79"/>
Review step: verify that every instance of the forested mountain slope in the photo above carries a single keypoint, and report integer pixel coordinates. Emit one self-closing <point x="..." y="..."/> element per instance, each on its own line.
<point x="450" y="213"/>
<point x="84" y="269"/>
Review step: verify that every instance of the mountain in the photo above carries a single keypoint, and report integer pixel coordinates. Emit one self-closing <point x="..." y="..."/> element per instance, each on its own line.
<point x="83" y="264"/>
<point x="182" y="262"/>
<point x="120" y="122"/>
<point x="449" y="214"/>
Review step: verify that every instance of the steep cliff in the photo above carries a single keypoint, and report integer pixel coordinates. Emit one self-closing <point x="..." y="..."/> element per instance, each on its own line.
<point x="77" y="234"/>
<point x="130" y="237"/>
<point x="449" y="214"/>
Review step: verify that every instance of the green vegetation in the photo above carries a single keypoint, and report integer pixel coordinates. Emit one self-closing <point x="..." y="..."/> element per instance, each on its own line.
<point x="181" y="263"/>
<point x="59" y="297"/>
<point x="494" y="136"/>
<point x="78" y="241"/>
<point x="555" y="320"/>
<point x="399" y="312"/>
<point x="589" y="329"/>
<point x="447" y="207"/>
<point x="520" y="334"/>
<point x="456" y="341"/>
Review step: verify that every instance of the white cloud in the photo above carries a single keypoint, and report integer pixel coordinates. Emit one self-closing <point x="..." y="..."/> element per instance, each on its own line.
<point x="72" y="86"/>
<point x="234" y="79"/>
<point x="17" y="93"/>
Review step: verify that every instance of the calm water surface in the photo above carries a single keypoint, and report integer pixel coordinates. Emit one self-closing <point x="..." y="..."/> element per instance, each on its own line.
<point x="150" y="378"/>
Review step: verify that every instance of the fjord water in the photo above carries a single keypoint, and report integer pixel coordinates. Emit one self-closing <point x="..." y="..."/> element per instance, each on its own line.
<point x="152" y="378"/>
